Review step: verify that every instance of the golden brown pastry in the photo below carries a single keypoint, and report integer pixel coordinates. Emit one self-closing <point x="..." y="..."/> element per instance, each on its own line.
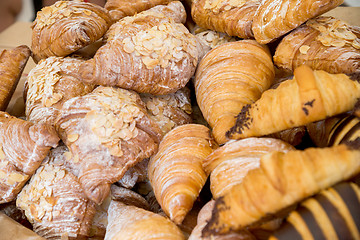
<point x="323" y="43"/>
<point x="23" y="146"/>
<point x="55" y="203"/>
<point x="211" y="38"/>
<point x="49" y="84"/>
<point x="233" y="17"/>
<point x="204" y="216"/>
<point x="310" y="96"/>
<point x="133" y="223"/>
<point x="331" y="214"/>
<point x="229" y="77"/>
<point x="230" y="163"/>
<point x="335" y="130"/>
<point x="148" y="53"/>
<point x="66" y="26"/>
<point x="12" y="64"/>
<point x="274" y="18"/>
<point x="122" y="8"/>
<point x="176" y="173"/>
<point x="107" y="131"/>
<point x="281" y="180"/>
<point x="171" y="110"/>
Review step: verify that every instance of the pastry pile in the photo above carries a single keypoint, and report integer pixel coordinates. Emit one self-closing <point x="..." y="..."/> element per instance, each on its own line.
<point x="202" y="119"/>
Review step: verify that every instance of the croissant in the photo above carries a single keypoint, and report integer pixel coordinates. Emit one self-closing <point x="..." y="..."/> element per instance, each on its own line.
<point x="66" y="26"/>
<point x="203" y="216"/>
<point x="323" y="43"/>
<point x="16" y="167"/>
<point x="335" y="130"/>
<point x="56" y="205"/>
<point x="170" y="110"/>
<point x="231" y="17"/>
<point x="211" y="38"/>
<point x="120" y="8"/>
<point x="107" y="131"/>
<point x="147" y="53"/>
<point x="229" y="77"/>
<point x="12" y="64"/>
<point x="310" y="96"/>
<point x="282" y="180"/>
<point x="230" y="163"/>
<point x="293" y="136"/>
<point x="176" y="173"/>
<point x="133" y="223"/>
<point x="274" y="18"/>
<point x="137" y="173"/>
<point x="331" y="214"/>
<point x="49" y="84"/>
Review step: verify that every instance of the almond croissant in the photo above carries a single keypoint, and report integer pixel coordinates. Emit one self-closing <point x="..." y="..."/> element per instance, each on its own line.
<point x="281" y="180"/>
<point x="147" y="53"/>
<point x="12" y="64"/>
<point x="231" y="17"/>
<point x="230" y="163"/>
<point x="23" y="146"/>
<point x="323" y="43"/>
<point x="229" y="77"/>
<point x="107" y="131"/>
<point x="55" y="203"/>
<point x="66" y="26"/>
<point x="310" y="96"/>
<point x="176" y="173"/>
<point x="49" y="84"/>
<point x="133" y="223"/>
<point x="122" y="8"/>
<point x="274" y="18"/>
<point x="331" y="214"/>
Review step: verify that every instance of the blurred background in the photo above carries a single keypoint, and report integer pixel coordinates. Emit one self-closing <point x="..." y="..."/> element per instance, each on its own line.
<point x="25" y="10"/>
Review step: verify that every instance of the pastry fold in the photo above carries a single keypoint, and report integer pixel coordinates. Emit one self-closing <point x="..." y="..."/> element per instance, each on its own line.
<point x="281" y="180"/>
<point x="274" y="18"/>
<point x="12" y="64"/>
<point x="229" y="77"/>
<point x="310" y="96"/>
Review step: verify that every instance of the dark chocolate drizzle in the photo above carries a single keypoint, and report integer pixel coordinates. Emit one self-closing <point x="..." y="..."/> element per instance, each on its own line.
<point x="353" y="145"/>
<point x="311" y="223"/>
<point x="243" y="121"/>
<point x="310" y="104"/>
<point x="287" y="232"/>
<point x="214" y="226"/>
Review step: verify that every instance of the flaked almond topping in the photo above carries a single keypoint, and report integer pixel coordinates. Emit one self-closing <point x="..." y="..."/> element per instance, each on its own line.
<point x="2" y="174"/>
<point x="216" y="5"/>
<point x="304" y="49"/>
<point x="2" y="154"/>
<point x="72" y="137"/>
<point x="76" y="158"/>
<point x="60" y="174"/>
<point x="333" y="32"/>
<point x="17" y="177"/>
<point x="68" y="155"/>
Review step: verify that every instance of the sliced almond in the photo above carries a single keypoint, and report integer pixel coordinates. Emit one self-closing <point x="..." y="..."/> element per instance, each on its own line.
<point x="304" y="49"/>
<point x="72" y="137"/>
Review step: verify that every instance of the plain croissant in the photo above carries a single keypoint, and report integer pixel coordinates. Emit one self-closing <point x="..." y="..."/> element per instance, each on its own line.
<point x="310" y="96"/>
<point x="228" y="78"/>
<point x="281" y="180"/>
<point x="323" y="43"/>
<point x="274" y="18"/>
<point x="176" y="172"/>
<point x="23" y="146"/>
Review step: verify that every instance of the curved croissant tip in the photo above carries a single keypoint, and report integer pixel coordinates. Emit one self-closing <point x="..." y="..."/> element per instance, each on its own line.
<point x="98" y="194"/>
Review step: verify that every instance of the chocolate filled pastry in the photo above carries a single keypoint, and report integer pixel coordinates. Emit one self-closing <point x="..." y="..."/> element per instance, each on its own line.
<point x="323" y="43"/>
<point x="331" y="214"/>
<point x="171" y="110"/>
<point x="107" y="132"/>
<point x="128" y="222"/>
<point x="49" y="84"/>
<point x="149" y="52"/>
<point x="12" y="64"/>
<point x="283" y="179"/>
<point x="275" y="18"/>
<point x="335" y="130"/>
<point x="228" y="78"/>
<point x="230" y="163"/>
<point x="66" y="26"/>
<point x="176" y="172"/>
<point x="56" y="205"/>
<point x="310" y="96"/>
<point x="23" y="146"/>
<point x="231" y="17"/>
<point x="122" y="8"/>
